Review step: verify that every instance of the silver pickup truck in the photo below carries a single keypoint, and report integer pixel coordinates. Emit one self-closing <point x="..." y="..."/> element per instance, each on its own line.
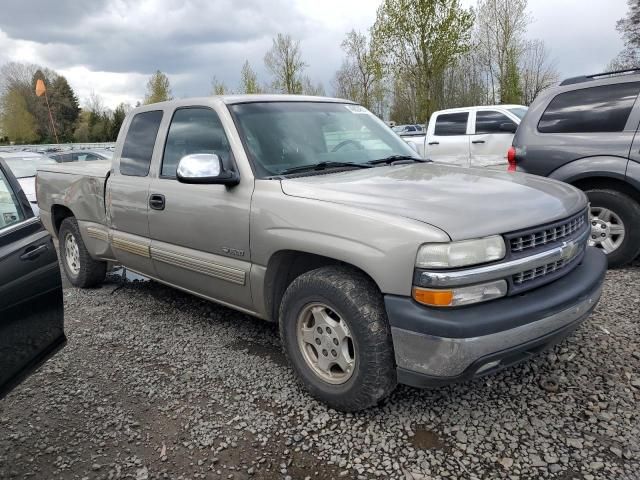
<point x="380" y="267"/>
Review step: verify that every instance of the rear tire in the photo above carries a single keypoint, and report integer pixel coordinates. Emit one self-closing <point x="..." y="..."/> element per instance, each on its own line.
<point x="81" y="270"/>
<point x="615" y="225"/>
<point x="335" y="332"/>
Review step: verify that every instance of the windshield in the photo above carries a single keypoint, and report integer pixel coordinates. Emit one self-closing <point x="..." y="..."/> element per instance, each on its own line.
<point x="280" y="136"/>
<point x="519" y="112"/>
<point x="26" y="166"/>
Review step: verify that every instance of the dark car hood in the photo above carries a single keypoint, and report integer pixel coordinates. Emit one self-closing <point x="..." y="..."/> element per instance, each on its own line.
<point x="465" y="203"/>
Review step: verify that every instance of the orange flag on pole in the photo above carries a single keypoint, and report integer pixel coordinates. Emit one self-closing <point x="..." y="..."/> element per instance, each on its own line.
<point x="40" y="88"/>
<point x="40" y="91"/>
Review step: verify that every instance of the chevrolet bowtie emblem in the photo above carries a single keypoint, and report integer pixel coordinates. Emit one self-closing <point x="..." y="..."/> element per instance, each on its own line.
<point x="569" y="250"/>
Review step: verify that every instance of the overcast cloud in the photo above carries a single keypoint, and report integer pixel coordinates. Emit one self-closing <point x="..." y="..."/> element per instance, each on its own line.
<point x="112" y="46"/>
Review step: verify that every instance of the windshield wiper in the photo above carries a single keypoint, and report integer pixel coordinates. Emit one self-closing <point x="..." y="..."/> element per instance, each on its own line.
<point x="396" y="158"/>
<point x="323" y="166"/>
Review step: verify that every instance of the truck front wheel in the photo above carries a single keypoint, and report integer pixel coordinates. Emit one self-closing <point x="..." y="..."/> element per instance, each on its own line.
<point x="335" y="332"/>
<point x="81" y="270"/>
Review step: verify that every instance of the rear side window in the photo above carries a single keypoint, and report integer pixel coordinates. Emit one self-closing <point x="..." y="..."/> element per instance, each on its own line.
<point x="488" y="121"/>
<point x="138" y="146"/>
<point x="596" y="109"/>
<point x="194" y="130"/>
<point x="451" y="124"/>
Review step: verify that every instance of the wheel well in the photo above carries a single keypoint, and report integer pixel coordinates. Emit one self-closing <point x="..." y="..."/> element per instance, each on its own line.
<point x="58" y="214"/>
<point x="607" y="183"/>
<point x="283" y="268"/>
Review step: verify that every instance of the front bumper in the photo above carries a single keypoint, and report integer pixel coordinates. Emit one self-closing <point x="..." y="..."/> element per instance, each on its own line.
<point x="434" y="346"/>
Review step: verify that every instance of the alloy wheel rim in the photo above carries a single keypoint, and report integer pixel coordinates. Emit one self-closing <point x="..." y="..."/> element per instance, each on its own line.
<point x="325" y="341"/>
<point x="72" y="253"/>
<point x="607" y="229"/>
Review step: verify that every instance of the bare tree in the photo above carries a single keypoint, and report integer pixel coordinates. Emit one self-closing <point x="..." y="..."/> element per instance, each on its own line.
<point x="538" y="71"/>
<point x="464" y="83"/>
<point x="248" y="80"/>
<point x="158" y="88"/>
<point x="94" y="104"/>
<point x="500" y="29"/>
<point x="309" y="88"/>
<point x="284" y="61"/>
<point x="629" y="28"/>
<point x="363" y="66"/>
<point x="344" y="82"/>
<point x="218" y="87"/>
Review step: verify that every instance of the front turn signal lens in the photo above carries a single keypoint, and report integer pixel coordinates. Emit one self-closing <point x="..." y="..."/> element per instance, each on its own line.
<point x="460" y="296"/>
<point x="435" y="298"/>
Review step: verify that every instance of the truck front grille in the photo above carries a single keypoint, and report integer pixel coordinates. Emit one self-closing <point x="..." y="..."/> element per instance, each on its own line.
<point x="548" y="234"/>
<point x="542" y="271"/>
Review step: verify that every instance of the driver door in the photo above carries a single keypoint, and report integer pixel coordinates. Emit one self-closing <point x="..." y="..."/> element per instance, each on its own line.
<point x="200" y="233"/>
<point x="31" y="307"/>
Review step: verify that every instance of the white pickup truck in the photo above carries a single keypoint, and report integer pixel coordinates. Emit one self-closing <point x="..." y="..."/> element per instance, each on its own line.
<point x="470" y="136"/>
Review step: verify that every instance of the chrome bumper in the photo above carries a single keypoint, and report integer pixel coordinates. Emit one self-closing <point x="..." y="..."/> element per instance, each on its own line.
<point x="451" y="357"/>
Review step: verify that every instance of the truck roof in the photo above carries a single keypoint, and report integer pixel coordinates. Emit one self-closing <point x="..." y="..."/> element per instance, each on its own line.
<point x="480" y="107"/>
<point x="234" y="99"/>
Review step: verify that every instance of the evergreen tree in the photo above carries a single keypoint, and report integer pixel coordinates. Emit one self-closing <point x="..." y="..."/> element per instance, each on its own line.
<point x="116" y="121"/>
<point x="65" y="108"/>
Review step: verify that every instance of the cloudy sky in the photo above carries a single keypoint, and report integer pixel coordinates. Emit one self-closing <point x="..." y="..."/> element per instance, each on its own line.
<point x="112" y="46"/>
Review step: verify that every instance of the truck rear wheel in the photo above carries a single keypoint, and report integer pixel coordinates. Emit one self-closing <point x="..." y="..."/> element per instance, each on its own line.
<point x="615" y="225"/>
<point x="81" y="270"/>
<point x="335" y="332"/>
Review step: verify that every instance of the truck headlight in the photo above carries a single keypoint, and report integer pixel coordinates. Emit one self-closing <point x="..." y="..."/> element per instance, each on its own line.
<point x="460" y="254"/>
<point x="459" y="296"/>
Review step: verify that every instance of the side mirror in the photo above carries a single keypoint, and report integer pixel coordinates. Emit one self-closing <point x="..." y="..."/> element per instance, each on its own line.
<point x="205" y="168"/>
<point x="508" y="127"/>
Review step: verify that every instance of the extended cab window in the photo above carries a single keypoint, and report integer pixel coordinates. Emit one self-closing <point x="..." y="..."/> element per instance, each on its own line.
<point x="10" y="211"/>
<point x="596" y="109"/>
<point x="488" y="121"/>
<point x="138" y="145"/>
<point x="451" y="124"/>
<point x="193" y="130"/>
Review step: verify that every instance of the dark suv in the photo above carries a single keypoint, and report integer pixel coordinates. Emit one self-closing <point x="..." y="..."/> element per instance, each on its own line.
<point x="585" y="132"/>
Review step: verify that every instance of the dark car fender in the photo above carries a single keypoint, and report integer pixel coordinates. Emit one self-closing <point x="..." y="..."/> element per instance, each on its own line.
<point x="590" y="167"/>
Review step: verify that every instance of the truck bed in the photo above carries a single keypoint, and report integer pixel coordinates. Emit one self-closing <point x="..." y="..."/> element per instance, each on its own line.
<point x="77" y="186"/>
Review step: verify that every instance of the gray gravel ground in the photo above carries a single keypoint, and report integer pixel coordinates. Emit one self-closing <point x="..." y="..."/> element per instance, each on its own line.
<point x="158" y="384"/>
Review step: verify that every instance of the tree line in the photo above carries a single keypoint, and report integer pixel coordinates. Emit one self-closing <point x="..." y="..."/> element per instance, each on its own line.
<point x="419" y="56"/>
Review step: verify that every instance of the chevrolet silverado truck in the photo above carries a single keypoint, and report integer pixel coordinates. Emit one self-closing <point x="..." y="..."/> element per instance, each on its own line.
<point x="379" y="266"/>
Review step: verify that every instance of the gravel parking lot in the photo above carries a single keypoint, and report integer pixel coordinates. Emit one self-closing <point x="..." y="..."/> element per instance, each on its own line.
<point x="155" y="383"/>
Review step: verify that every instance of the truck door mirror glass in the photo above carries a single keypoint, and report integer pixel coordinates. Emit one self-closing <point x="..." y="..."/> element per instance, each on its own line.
<point x="508" y="127"/>
<point x="204" y="168"/>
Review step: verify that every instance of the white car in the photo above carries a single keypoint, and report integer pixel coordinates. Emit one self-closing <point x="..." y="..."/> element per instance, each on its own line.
<point x="470" y="136"/>
<point x="23" y="165"/>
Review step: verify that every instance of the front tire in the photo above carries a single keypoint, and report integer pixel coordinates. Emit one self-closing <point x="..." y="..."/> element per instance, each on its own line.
<point x="81" y="270"/>
<point x="335" y="332"/>
<point x="615" y="225"/>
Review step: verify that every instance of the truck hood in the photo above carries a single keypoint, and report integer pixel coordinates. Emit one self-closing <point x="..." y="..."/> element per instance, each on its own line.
<point x="465" y="203"/>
